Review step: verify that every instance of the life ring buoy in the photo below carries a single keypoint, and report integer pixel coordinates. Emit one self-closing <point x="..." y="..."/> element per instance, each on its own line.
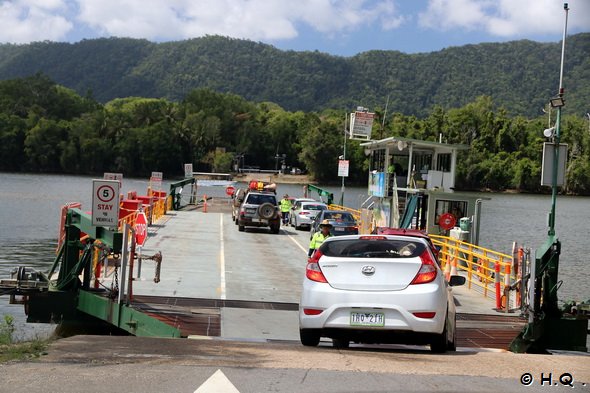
<point x="447" y="221"/>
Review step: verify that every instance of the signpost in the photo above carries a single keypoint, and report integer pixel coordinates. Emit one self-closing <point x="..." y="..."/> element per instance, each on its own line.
<point x="140" y="228"/>
<point x="105" y="203"/>
<point x="113" y="176"/>
<point x="188" y="171"/>
<point x="343" y="168"/>
<point x="156" y="180"/>
<point x="361" y="125"/>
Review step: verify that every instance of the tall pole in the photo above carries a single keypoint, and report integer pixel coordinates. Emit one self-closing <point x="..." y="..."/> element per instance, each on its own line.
<point x="557" y="137"/>
<point x="343" y="158"/>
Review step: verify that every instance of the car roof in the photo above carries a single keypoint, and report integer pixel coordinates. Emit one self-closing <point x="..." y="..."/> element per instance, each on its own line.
<point x="388" y="237"/>
<point x="401" y="232"/>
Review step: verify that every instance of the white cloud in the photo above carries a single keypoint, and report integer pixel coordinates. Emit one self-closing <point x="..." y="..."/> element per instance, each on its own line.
<point x="24" y="21"/>
<point x="505" y="18"/>
<point x="252" y="19"/>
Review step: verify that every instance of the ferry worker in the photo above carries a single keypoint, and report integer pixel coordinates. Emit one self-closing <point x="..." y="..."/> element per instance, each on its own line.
<point x="285" y="204"/>
<point x="318" y="238"/>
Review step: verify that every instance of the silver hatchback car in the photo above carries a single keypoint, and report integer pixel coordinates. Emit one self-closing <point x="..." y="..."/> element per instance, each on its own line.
<point x="304" y="213"/>
<point x="377" y="289"/>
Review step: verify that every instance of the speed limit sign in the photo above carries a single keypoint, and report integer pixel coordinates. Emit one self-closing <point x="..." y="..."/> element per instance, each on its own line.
<point x="105" y="203"/>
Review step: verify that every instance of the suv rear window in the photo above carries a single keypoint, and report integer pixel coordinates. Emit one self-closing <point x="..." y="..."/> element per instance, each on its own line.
<point x="314" y="207"/>
<point x="259" y="199"/>
<point x="360" y="248"/>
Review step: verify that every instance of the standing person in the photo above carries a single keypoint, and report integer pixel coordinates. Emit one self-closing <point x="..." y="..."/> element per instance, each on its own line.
<point x="318" y="238"/>
<point x="285" y="204"/>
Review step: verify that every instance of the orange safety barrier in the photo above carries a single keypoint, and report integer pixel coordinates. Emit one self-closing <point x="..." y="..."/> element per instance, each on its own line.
<point x="478" y="264"/>
<point x="204" y="203"/>
<point x="497" y="286"/>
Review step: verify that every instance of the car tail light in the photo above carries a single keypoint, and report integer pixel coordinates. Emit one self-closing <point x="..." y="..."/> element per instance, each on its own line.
<point x="312" y="270"/>
<point x="312" y="311"/>
<point x="303" y="213"/>
<point x="427" y="272"/>
<point x="425" y="315"/>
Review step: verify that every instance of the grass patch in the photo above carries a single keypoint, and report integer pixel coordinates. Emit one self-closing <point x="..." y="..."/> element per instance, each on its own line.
<point x="23" y="350"/>
<point x="10" y="350"/>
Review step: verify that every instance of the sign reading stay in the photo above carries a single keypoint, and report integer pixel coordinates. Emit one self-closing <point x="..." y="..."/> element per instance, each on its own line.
<point x="105" y="203"/>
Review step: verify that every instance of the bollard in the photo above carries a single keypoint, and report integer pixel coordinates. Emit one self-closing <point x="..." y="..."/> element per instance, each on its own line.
<point x="447" y="271"/>
<point x="204" y="203"/>
<point x="507" y="288"/>
<point x="97" y="272"/>
<point x="519" y="267"/>
<point x="497" y="286"/>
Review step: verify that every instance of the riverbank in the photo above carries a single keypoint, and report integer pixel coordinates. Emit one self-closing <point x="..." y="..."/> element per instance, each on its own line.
<point x="274" y="178"/>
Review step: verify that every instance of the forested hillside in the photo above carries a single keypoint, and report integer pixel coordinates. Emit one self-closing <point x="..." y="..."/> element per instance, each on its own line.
<point x="46" y="127"/>
<point x="519" y="75"/>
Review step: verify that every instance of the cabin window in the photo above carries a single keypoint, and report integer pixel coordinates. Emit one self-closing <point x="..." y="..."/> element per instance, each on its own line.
<point x="456" y="208"/>
<point x="443" y="162"/>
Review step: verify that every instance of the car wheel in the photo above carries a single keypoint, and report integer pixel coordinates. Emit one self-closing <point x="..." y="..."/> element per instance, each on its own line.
<point x="452" y="344"/>
<point x="275" y="229"/>
<point x="241" y="228"/>
<point x="340" y="343"/>
<point x="309" y="337"/>
<point x="440" y="341"/>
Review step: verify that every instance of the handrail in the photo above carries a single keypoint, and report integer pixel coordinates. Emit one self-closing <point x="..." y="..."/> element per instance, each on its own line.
<point x="355" y="213"/>
<point x="479" y="264"/>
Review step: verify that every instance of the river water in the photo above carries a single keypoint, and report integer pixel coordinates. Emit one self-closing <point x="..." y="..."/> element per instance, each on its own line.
<point x="30" y="206"/>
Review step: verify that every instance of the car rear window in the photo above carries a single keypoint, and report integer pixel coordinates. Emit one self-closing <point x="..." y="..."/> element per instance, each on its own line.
<point x="338" y="217"/>
<point x="257" y="199"/>
<point x="361" y="248"/>
<point x="314" y="207"/>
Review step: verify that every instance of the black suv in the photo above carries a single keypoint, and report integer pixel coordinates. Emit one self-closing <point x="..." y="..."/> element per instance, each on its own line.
<point x="259" y="209"/>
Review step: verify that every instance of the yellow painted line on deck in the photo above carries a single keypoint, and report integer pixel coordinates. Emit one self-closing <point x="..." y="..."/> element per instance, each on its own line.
<point x="221" y="259"/>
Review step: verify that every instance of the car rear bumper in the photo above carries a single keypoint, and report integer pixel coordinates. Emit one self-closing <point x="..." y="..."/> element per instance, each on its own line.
<point x="397" y="306"/>
<point x="258" y="222"/>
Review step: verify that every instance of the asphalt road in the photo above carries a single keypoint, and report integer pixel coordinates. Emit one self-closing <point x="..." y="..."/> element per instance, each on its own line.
<point x="131" y="364"/>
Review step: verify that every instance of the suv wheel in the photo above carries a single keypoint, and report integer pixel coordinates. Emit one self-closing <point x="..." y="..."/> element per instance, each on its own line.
<point x="241" y="228"/>
<point x="266" y="210"/>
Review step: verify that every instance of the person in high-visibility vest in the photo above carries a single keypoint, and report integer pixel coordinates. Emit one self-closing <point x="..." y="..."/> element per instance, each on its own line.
<point x="285" y="204"/>
<point x="318" y="238"/>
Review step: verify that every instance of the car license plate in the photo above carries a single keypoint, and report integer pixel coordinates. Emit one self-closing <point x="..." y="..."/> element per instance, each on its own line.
<point x="256" y="220"/>
<point x="339" y="229"/>
<point x="367" y="319"/>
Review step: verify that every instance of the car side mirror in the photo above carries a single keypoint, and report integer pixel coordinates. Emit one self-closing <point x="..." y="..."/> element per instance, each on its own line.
<point x="455" y="281"/>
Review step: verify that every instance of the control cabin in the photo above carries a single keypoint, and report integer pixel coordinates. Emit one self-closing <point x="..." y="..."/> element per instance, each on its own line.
<point x="411" y="185"/>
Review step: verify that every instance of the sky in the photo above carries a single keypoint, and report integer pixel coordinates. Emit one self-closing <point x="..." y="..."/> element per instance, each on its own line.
<point x="338" y="27"/>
